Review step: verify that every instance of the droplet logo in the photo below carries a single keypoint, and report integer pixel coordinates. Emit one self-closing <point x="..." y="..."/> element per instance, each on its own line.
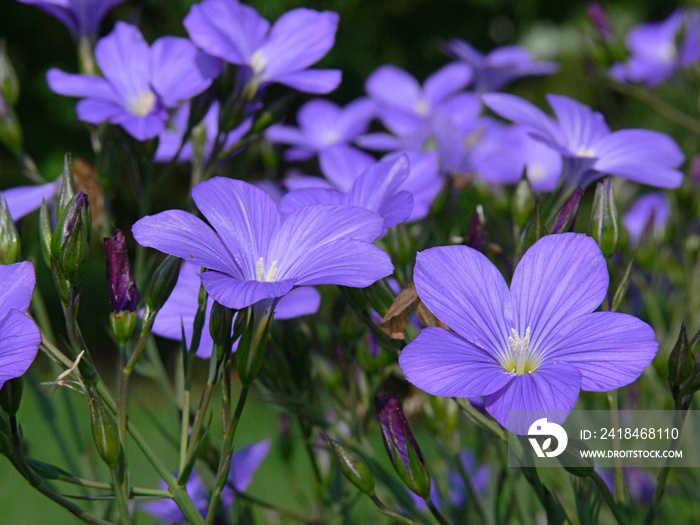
<point x="542" y="427"/>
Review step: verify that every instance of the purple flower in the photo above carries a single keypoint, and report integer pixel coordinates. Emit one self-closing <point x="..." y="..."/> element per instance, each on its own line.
<point x="279" y="54"/>
<point x="640" y="483"/>
<point x="322" y="125"/>
<point x="139" y="82"/>
<point x="180" y="309"/>
<point x="123" y="294"/>
<point x="244" y="463"/>
<point x="82" y="17"/>
<point x="499" y="67"/>
<point x="649" y="214"/>
<point x="23" y="200"/>
<point x="19" y="335"/>
<point x="533" y="346"/>
<point x="171" y="138"/>
<point x="659" y="49"/>
<point x="589" y="148"/>
<point x="377" y="190"/>
<point x="254" y="254"/>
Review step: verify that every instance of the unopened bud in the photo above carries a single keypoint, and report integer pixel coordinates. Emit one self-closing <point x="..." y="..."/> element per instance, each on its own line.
<point x="10" y="128"/>
<point x="402" y="446"/>
<point x="162" y="284"/>
<point x="45" y="232"/>
<point x="477" y="237"/>
<point x="251" y="347"/>
<point x="220" y="321"/>
<point x="70" y="242"/>
<point x="605" y="223"/>
<point x="681" y="362"/>
<point x="523" y="203"/>
<point x="123" y="293"/>
<point x="598" y="15"/>
<point x="123" y="325"/>
<point x="9" y="84"/>
<point x="353" y="467"/>
<point x="566" y="218"/>
<point x="9" y="239"/>
<point x="68" y="190"/>
<point x="104" y="431"/>
<point x="11" y="395"/>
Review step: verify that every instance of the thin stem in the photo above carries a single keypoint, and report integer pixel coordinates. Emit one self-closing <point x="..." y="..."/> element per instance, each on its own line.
<point x="226" y="455"/>
<point x="184" y="427"/>
<point x="121" y="498"/>
<point x="436" y="512"/>
<point x="388" y="512"/>
<point x="199" y="418"/>
<point x="480" y="419"/>
<point x="608" y="498"/>
<point x="275" y="508"/>
<point x="620" y="488"/>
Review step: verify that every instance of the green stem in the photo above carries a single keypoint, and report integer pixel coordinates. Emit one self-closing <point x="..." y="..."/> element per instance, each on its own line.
<point x="184" y="427"/>
<point x="436" y="512"/>
<point x="620" y="487"/>
<point x="480" y="419"/>
<point x="608" y="498"/>
<point x="199" y="418"/>
<point x="121" y="497"/>
<point x="388" y="512"/>
<point x="226" y="455"/>
<point x="286" y="512"/>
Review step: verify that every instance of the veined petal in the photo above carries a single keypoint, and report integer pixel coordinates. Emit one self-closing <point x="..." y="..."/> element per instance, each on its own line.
<point x="245" y="217"/>
<point x="19" y="343"/>
<point x="610" y="349"/>
<point x="79" y="85"/>
<point x="298" y="39"/>
<point x="446" y="82"/>
<point x="181" y="234"/>
<point x="466" y="292"/>
<point x="304" y="300"/>
<point x="16" y="286"/>
<point x="237" y="293"/>
<point x="552" y="387"/>
<point x="227" y="29"/>
<point x="141" y="127"/>
<point x="179" y="71"/>
<point x="342" y="165"/>
<point x="444" y="364"/>
<point x="22" y="200"/>
<point x="581" y="126"/>
<point x="316" y="81"/>
<point x="95" y="110"/>
<point x="560" y="277"/>
<point x="296" y="199"/>
<point x="346" y="262"/>
<point x="391" y="86"/>
<point x="522" y="112"/>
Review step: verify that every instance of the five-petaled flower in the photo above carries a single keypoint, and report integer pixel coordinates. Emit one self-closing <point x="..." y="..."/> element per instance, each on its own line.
<point x="19" y="335"/>
<point x="82" y="17"/>
<point x="253" y="254"/>
<point x="531" y="347"/>
<point x="140" y="82"/>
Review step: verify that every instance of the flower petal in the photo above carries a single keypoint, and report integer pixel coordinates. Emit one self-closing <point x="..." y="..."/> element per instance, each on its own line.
<point x="244" y="216"/>
<point x="610" y="349"/>
<point x="548" y="392"/>
<point x="72" y="85"/>
<point x="22" y="200"/>
<point x="560" y="277"/>
<point x="582" y="127"/>
<point x="296" y="199"/>
<point x="237" y="293"/>
<point x="19" y="343"/>
<point x="179" y="233"/>
<point x="468" y="293"/>
<point x="522" y="112"/>
<point x="305" y="300"/>
<point x="94" y="110"/>
<point x="16" y="286"/>
<point x="444" y="364"/>
<point x="342" y="165"/>
<point x="446" y="81"/>
<point x="245" y="462"/>
<point x="391" y="86"/>
<point x="317" y="81"/>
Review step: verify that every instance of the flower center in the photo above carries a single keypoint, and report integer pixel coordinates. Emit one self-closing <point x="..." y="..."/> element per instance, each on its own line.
<point x="258" y="62"/>
<point x="583" y="151"/>
<point x="536" y="172"/>
<point x="260" y="274"/>
<point x="521" y="359"/>
<point x="422" y="108"/>
<point x="142" y="104"/>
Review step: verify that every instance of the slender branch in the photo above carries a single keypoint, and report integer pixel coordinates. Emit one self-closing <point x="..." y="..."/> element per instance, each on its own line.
<point x="436" y="512"/>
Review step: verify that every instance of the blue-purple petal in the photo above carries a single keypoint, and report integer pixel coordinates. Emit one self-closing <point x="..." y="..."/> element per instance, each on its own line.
<point x="19" y="343"/>
<point x="238" y="293"/>
<point x="16" y="286"/>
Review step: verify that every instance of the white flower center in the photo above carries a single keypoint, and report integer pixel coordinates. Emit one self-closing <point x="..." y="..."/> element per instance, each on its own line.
<point x="536" y="172"/>
<point x="142" y="104"/>
<point x="260" y="274"/>
<point x="521" y="359"/>
<point x="258" y="62"/>
<point x="668" y="52"/>
<point x="422" y="108"/>
<point x="585" y="152"/>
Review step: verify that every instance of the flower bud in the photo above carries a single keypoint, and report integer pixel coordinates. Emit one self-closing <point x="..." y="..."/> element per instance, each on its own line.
<point x="123" y="294"/>
<point x="523" y="203"/>
<point x="566" y="218"/>
<point x="10" y="128"/>
<point x="477" y="237"/>
<point x="402" y="446"/>
<point x="162" y="284"/>
<point x="104" y="431"/>
<point x="681" y="362"/>
<point x="598" y="15"/>
<point x="67" y="184"/>
<point x="9" y="85"/>
<point x="11" y="395"/>
<point x="123" y="325"/>
<point x="9" y="239"/>
<point x="353" y="467"/>
<point x="251" y="347"/>
<point x="220" y="321"/>
<point x="605" y="222"/>
<point x="70" y="242"/>
<point x="45" y="232"/>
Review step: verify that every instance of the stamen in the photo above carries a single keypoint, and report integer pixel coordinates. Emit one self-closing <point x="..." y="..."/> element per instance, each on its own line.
<point x="521" y="361"/>
<point x="585" y="152"/>
<point x="258" y="62"/>
<point x="260" y="274"/>
<point x="142" y="104"/>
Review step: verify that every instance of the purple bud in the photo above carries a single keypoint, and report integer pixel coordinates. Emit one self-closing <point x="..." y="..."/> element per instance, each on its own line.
<point x="402" y="446"/>
<point x="477" y="238"/>
<point x="598" y="14"/>
<point x="566" y="218"/>
<point x="695" y="169"/>
<point x="123" y="294"/>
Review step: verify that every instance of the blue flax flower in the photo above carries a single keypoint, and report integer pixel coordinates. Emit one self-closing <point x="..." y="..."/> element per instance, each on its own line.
<point x="533" y="346"/>
<point x="244" y="463"/>
<point x="179" y="310"/>
<point x="254" y="254"/>
<point x="377" y="189"/>
<point x="590" y="150"/>
<point x="660" y="49"/>
<point x="501" y="66"/>
<point x="82" y="17"/>
<point x="648" y="215"/>
<point x="139" y="83"/>
<point x="19" y="335"/>
<point x="279" y="54"/>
